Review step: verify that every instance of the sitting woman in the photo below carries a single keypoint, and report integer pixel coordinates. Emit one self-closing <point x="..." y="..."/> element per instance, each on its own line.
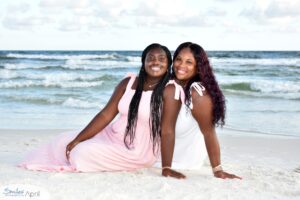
<point x="203" y="107"/>
<point x="128" y="143"/>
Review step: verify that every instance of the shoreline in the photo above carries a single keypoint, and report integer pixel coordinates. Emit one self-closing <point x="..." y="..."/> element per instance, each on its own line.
<point x="267" y="165"/>
<point x="227" y="131"/>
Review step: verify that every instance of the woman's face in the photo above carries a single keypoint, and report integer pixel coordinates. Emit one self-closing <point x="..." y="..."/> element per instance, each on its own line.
<point x="156" y="63"/>
<point x="184" y="65"/>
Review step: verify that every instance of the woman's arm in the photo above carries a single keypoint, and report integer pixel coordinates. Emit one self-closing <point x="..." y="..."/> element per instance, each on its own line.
<point x="170" y="112"/>
<point x="202" y="112"/>
<point x="102" y="119"/>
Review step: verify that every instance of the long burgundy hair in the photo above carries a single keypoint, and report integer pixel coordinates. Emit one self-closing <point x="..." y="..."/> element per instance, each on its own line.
<point x="207" y="78"/>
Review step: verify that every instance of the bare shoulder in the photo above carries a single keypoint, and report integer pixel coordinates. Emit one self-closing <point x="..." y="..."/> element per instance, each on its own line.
<point x="201" y="102"/>
<point x="123" y="83"/>
<point x="202" y="110"/>
<point x="200" y="98"/>
<point x="121" y="87"/>
<point x="169" y="91"/>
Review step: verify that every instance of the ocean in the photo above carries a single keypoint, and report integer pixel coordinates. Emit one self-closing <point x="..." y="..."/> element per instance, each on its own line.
<point x="65" y="89"/>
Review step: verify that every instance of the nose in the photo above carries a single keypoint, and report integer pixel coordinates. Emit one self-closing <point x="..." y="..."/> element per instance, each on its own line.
<point x="156" y="61"/>
<point x="179" y="64"/>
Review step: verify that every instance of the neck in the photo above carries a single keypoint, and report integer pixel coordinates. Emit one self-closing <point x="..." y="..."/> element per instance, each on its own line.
<point x="181" y="82"/>
<point x="151" y="80"/>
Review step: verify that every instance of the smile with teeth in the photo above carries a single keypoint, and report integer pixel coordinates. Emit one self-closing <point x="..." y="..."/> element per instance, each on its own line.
<point x="179" y="71"/>
<point x="155" y="68"/>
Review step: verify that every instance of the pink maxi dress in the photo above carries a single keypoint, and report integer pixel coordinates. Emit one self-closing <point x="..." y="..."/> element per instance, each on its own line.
<point x="105" y="151"/>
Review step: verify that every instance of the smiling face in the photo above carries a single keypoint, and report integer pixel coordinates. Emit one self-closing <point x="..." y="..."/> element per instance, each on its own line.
<point x="156" y="63"/>
<point x="184" y="65"/>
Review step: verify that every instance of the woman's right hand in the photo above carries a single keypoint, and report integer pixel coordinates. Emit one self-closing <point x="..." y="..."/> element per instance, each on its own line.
<point x="172" y="173"/>
<point x="70" y="146"/>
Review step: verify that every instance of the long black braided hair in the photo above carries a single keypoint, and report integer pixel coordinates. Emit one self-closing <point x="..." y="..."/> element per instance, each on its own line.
<point x="155" y="103"/>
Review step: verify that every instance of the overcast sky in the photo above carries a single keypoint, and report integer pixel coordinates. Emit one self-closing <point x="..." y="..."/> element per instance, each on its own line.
<point x="133" y="24"/>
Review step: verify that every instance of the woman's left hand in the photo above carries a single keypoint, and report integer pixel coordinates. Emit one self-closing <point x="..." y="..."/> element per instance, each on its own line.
<point x="222" y="174"/>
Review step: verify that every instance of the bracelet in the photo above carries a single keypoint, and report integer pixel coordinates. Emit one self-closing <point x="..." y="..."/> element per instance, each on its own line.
<point x="166" y="167"/>
<point x="217" y="168"/>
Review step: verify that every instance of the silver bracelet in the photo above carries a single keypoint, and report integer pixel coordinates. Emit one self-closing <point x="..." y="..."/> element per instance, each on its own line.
<point x="166" y="167"/>
<point x="217" y="168"/>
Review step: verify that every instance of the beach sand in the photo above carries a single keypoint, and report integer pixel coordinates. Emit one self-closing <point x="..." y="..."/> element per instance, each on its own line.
<point x="267" y="165"/>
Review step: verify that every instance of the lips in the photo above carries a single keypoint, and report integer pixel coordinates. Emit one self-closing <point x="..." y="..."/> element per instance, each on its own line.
<point x="181" y="72"/>
<point x="155" y="68"/>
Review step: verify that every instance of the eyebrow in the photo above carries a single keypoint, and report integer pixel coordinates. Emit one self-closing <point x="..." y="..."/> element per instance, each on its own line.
<point x="161" y="54"/>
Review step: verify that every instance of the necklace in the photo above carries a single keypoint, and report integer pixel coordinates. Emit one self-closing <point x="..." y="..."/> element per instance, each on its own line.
<point x="151" y="85"/>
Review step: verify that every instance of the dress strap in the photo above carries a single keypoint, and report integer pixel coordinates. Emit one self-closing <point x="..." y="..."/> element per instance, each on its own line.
<point x="179" y="92"/>
<point x="131" y="81"/>
<point x="198" y="88"/>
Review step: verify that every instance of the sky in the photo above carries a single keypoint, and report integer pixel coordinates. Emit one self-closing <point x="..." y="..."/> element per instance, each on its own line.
<point x="133" y="24"/>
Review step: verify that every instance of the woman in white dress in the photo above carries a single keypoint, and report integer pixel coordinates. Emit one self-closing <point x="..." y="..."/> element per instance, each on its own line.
<point x="202" y="107"/>
<point x="189" y="150"/>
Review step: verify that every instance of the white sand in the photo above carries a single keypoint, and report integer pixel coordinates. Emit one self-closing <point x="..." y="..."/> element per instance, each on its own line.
<point x="267" y="165"/>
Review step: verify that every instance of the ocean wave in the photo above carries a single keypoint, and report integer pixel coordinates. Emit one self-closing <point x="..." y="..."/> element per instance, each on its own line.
<point x="232" y="54"/>
<point x="239" y="87"/>
<point x="264" y="88"/>
<point x="225" y="62"/>
<point x="32" y="99"/>
<point x="8" y="74"/>
<point x="60" y="57"/>
<point x="62" y="77"/>
<point x="28" y="79"/>
<point x="271" y="86"/>
<point x="136" y="59"/>
<point x="98" y="65"/>
<point x="54" y="77"/>
<point x="69" y="102"/>
<point x="77" y="103"/>
<point x="63" y="56"/>
<point x="48" y="83"/>
<point x="22" y="66"/>
<point x="254" y="54"/>
<point x="74" y="65"/>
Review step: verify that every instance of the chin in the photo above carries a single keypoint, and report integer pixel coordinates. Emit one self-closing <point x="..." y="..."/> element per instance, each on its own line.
<point x="181" y="78"/>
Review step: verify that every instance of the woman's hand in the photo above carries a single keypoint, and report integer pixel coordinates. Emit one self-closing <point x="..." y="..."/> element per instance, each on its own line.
<point x="70" y="146"/>
<point x="172" y="173"/>
<point x="222" y="174"/>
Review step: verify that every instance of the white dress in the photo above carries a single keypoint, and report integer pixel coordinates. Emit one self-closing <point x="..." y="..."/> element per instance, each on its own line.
<point x="190" y="150"/>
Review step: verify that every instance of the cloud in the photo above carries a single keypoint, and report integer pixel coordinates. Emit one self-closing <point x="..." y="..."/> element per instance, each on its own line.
<point x="275" y="15"/>
<point x="83" y="23"/>
<point x="85" y="14"/>
<point x="159" y="14"/>
<point x="106" y="8"/>
<point x="18" y="8"/>
<point x="214" y="11"/>
<point x="90" y="15"/>
<point x="225" y="1"/>
<point x="282" y="8"/>
<point x="15" y="22"/>
<point x="272" y="9"/>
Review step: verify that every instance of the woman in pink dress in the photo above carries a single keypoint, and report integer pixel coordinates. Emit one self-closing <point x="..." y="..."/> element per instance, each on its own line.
<point x="203" y="108"/>
<point x="130" y="142"/>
